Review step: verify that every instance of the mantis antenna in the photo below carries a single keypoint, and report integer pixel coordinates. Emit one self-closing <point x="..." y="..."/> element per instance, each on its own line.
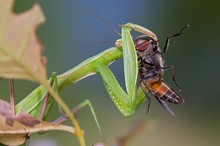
<point x="103" y="21"/>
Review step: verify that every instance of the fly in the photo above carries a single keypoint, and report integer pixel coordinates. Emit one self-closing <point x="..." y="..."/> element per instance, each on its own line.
<point x="151" y="69"/>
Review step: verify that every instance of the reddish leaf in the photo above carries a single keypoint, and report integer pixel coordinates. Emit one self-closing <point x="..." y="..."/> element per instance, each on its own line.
<point x="20" y="50"/>
<point x="14" y="129"/>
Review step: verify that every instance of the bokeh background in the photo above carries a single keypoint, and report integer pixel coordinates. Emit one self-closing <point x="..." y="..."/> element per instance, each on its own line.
<point x="69" y="37"/>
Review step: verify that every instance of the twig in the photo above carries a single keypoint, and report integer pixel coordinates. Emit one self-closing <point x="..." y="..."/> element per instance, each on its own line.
<point x="132" y="134"/>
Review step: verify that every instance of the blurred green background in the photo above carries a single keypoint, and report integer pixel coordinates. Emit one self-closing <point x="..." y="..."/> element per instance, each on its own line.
<point x="69" y="35"/>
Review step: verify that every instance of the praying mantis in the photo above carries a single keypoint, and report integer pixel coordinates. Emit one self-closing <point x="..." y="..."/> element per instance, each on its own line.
<point x="127" y="101"/>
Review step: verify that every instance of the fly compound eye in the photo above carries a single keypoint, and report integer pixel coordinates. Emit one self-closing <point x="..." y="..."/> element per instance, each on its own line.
<point x="140" y="41"/>
<point x="141" y="44"/>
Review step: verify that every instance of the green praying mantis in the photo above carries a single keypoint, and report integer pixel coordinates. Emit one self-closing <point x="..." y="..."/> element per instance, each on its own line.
<point x="127" y="101"/>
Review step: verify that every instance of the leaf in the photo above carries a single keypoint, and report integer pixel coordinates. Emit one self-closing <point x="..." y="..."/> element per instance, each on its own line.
<point x="15" y="129"/>
<point x="20" y="50"/>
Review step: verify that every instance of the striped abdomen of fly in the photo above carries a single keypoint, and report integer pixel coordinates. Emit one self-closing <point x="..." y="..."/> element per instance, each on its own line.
<point x="162" y="91"/>
<point x="151" y="78"/>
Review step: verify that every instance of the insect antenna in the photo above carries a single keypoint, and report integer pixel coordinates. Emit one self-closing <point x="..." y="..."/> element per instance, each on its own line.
<point x="103" y="21"/>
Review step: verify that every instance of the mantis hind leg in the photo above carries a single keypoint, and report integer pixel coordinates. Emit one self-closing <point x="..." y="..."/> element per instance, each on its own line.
<point x="76" y="109"/>
<point x="48" y="101"/>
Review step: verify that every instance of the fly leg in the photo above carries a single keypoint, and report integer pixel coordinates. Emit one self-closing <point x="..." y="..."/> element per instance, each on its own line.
<point x="144" y="88"/>
<point x="146" y="93"/>
<point x="173" y="35"/>
<point x="173" y="75"/>
<point x="162" y="102"/>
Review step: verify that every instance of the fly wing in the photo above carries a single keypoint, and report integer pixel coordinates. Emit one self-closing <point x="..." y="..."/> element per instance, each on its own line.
<point x="164" y="105"/>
